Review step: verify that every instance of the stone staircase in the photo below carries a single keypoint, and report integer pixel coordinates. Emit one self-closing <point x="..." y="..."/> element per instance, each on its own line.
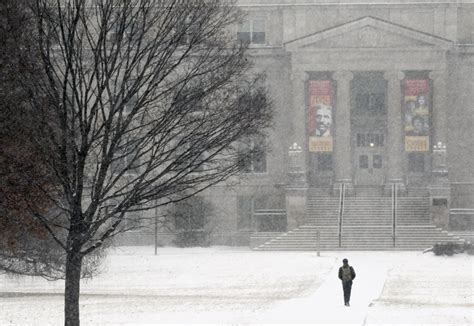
<point x="466" y="235"/>
<point x="367" y="225"/>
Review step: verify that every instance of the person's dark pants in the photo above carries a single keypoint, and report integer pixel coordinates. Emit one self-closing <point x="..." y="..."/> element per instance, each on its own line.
<point x="346" y="287"/>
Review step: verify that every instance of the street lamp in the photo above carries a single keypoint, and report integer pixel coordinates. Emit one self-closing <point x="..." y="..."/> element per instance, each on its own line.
<point x="294" y="153"/>
<point x="295" y="165"/>
<point x="439" y="158"/>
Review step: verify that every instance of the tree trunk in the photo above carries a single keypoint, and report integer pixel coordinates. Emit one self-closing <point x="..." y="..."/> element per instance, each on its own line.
<point x="71" y="292"/>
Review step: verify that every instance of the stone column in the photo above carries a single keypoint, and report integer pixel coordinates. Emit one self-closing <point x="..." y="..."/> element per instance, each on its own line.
<point x="298" y="113"/>
<point x="439" y="117"/>
<point x="342" y="137"/>
<point x="395" y="149"/>
<point x="296" y="188"/>
<point x="439" y="187"/>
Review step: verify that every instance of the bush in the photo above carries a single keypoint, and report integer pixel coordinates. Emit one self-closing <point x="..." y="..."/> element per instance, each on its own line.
<point x="451" y="248"/>
<point x="468" y="248"/>
<point x="190" y="219"/>
<point x="192" y="238"/>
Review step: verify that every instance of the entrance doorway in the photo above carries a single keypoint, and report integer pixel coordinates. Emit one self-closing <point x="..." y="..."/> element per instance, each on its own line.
<point x="370" y="166"/>
<point x="368" y="125"/>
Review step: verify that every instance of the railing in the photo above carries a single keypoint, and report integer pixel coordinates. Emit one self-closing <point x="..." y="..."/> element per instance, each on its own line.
<point x="394" y="212"/>
<point x="318" y="242"/>
<point x="270" y="220"/>
<point x="461" y="219"/>
<point x="463" y="211"/>
<point x="341" y="211"/>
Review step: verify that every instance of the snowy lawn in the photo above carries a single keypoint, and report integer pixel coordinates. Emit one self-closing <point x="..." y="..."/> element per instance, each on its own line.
<point x="235" y="285"/>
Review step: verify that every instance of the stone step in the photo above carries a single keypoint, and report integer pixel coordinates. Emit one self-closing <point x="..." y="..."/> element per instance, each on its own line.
<point x="357" y="242"/>
<point x="367" y="224"/>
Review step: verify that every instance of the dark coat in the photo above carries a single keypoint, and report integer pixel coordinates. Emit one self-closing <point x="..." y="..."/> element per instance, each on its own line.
<point x="353" y="274"/>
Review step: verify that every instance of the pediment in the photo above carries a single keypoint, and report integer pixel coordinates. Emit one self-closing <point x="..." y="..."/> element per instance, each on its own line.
<point x="367" y="32"/>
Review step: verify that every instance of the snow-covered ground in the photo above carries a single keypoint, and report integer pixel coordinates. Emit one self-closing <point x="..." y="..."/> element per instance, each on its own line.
<point x="224" y="285"/>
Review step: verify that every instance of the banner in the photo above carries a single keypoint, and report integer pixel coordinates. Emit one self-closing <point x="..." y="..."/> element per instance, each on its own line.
<point x="320" y="115"/>
<point x="417" y="115"/>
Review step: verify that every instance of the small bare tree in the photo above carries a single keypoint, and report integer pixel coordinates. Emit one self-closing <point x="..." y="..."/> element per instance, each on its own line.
<point x="148" y="101"/>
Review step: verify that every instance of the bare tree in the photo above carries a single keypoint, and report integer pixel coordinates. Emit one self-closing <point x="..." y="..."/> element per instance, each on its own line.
<point x="148" y="103"/>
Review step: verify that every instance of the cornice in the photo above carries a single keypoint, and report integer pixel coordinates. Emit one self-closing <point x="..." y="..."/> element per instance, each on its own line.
<point x="333" y="3"/>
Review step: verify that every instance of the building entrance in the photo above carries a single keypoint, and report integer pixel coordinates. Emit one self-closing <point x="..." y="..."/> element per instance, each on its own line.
<point x="370" y="166"/>
<point x="368" y="125"/>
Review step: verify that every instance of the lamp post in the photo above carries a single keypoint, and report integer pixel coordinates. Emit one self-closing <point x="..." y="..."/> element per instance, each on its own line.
<point x="294" y="152"/>
<point x="439" y="165"/>
<point x="296" y="189"/>
<point x="295" y="166"/>
<point x="440" y="190"/>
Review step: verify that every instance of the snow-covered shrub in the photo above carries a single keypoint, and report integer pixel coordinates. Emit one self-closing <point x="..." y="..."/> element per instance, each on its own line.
<point x="190" y="219"/>
<point x="469" y="248"/>
<point x="451" y="248"/>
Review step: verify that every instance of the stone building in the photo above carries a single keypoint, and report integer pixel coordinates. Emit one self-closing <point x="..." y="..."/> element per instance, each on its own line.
<point x="373" y="141"/>
<point x="373" y="100"/>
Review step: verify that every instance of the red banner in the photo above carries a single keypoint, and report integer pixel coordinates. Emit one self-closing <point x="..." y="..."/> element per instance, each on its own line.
<point x="320" y="115"/>
<point x="417" y="115"/>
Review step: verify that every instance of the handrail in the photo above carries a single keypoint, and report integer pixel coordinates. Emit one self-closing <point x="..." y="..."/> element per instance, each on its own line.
<point x="341" y="211"/>
<point x="269" y="212"/>
<point x="394" y="211"/>
<point x="467" y="211"/>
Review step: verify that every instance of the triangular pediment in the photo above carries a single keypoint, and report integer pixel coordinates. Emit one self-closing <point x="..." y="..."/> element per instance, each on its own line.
<point x="367" y="32"/>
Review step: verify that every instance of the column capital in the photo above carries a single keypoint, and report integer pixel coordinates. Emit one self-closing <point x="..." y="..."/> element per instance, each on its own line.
<point x="299" y="75"/>
<point x="393" y="75"/>
<point x="343" y="75"/>
<point x="436" y="74"/>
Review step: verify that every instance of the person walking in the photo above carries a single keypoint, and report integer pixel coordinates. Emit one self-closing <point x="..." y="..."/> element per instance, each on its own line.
<point x="346" y="275"/>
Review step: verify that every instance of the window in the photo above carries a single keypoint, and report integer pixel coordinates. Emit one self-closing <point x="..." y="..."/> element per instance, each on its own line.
<point x="126" y="95"/>
<point x="125" y="162"/>
<point x="191" y="214"/>
<point x="189" y="31"/>
<point x="189" y="159"/>
<point x="370" y="103"/>
<point x="416" y="162"/>
<point x="131" y="103"/>
<point x="122" y="33"/>
<point x="256" y="158"/>
<point x="363" y="162"/>
<point x="263" y="213"/>
<point x="199" y="161"/>
<point x="377" y="161"/>
<point x="189" y="100"/>
<point x="252" y="31"/>
<point x="370" y="140"/>
<point x="132" y="220"/>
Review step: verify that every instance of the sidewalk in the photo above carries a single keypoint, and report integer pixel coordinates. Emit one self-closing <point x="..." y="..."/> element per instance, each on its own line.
<point x="326" y="304"/>
<point x="389" y="289"/>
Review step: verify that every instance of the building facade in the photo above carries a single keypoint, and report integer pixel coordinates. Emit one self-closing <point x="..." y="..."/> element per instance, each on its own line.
<point x="372" y="98"/>
<point x="367" y="94"/>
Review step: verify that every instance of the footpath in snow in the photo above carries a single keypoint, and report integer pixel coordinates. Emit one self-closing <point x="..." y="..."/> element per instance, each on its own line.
<point x="326" y="304"/>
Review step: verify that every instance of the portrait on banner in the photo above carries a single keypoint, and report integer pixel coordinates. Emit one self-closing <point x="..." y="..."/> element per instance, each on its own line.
<point x="417" y="115"/>
<point x="320" y="115"/>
